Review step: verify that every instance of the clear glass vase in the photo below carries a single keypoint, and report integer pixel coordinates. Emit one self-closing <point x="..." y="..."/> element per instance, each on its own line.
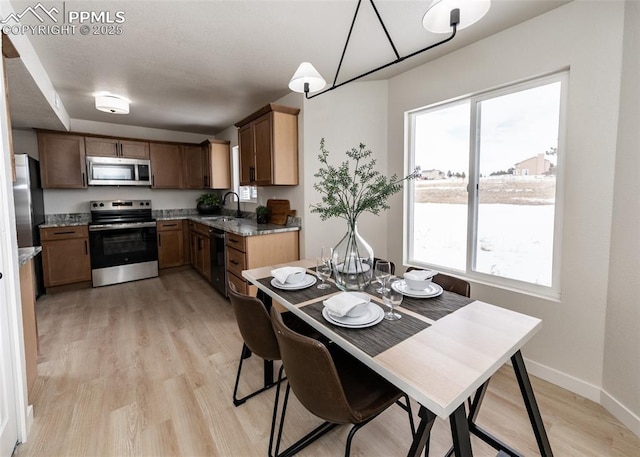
<point x="352" y="261"/>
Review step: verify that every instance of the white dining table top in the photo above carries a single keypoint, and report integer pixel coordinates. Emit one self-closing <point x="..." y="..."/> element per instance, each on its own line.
<point x="441" y="365"/>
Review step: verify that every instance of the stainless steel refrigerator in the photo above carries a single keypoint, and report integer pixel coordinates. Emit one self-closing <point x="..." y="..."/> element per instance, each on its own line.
<point x="29" y="203"/>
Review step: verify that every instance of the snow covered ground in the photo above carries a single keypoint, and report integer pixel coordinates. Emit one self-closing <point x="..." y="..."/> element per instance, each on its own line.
<point x="514" y="241"/>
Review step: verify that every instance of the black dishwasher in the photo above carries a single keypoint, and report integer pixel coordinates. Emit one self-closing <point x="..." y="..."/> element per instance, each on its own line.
<point x="218" y="260"/>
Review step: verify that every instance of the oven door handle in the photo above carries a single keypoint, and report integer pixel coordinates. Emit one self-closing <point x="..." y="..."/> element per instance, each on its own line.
<point x="129" y="225"/>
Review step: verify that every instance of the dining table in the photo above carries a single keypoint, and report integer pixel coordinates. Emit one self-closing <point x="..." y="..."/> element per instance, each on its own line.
<point x="442" y="352"/>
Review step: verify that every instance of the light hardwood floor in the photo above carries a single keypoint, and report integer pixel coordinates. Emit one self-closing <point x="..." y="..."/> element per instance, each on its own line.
<point x="147" y="369"/>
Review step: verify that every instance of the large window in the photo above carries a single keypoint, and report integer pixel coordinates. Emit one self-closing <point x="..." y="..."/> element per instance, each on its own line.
<point x="486" y="204"/>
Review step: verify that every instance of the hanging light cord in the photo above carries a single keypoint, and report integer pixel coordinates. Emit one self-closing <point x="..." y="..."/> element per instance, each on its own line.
<point x="454" y="21"/>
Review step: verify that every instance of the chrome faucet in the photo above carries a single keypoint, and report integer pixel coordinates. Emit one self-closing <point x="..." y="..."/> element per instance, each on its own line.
<point x="224" y="199"/>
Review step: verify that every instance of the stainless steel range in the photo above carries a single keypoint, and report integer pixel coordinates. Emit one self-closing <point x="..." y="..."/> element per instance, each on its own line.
<point x="123" y="241"/>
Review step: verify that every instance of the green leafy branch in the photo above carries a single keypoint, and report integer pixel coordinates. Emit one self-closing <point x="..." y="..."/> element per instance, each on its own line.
<point x="354" y="187"/>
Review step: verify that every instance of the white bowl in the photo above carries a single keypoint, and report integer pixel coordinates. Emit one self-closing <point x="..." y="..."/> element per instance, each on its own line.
<point x="296" y="276"/>
<point x="417" y="284"/>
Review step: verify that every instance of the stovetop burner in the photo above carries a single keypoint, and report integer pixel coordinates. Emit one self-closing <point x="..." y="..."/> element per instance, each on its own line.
<point x="120" y="211"/>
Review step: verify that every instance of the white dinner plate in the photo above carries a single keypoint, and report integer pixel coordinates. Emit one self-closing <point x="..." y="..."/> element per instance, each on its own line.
<point x="374" y="315"/>
<point x="308" y="280"/>
<point x="432" y="290"/>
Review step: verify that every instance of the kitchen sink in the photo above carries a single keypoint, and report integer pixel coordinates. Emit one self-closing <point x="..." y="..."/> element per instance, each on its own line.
<point x="220" y="218"/>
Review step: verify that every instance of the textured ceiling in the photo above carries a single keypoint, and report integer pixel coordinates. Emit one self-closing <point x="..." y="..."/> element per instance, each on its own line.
<point x="202" y="66"/>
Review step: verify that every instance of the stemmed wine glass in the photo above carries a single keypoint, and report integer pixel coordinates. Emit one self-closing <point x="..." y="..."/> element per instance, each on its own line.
<point x="323" y="267"/>
<point x="382" y="273"/>
<point x="392" y="298"/>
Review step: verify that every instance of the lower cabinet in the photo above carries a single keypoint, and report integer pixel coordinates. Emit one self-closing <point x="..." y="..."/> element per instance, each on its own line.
<point x="65" y="255"/>
<point x="200" y="248"/>
<point x="171" y="246"/>
<point x="247" y="252"/>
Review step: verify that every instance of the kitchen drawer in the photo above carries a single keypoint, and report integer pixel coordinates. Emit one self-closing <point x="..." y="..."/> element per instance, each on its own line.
<point x="164" y="226"/>
<point x="64" y="233"/>
<point x="239" y="283"/>
<point x="235" y="261"/>
<point x="236" y="241"/>
<point x="200" y="228"/>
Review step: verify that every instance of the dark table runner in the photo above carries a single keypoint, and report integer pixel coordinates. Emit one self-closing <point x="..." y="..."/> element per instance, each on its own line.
<point x="436" y="307"/>
<point x="302" y="295"/>
<point x="431" y="308"/>
<point x="372" y="340"/>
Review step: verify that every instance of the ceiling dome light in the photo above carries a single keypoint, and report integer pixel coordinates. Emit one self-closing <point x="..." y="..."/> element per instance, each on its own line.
<point x="437" y="17"/>
<point x="112" y="104"/>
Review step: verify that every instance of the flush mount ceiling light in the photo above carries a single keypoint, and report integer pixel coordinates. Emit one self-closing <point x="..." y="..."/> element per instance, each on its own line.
<point x="441" y="16"/>
<point x="112" y="104"/>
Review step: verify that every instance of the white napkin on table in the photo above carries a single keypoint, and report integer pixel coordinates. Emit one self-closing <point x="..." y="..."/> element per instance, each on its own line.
<point x="340" y="304"/>
<point x="281" y="274"/>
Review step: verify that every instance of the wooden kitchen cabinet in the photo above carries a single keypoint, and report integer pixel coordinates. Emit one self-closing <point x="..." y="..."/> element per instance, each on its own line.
<point x="247" y="252"/>
<point x="170" y="244"/>
<point x="62" y="160"/>
<point x="195" y="161"/>
<point x="65" y="255"/>
<point x="114" y="147"/>
<point x="217" y="164"/>
<point x="166" y="165"/>
<point x="268" y="143"/>
<point x="200" y="248"/>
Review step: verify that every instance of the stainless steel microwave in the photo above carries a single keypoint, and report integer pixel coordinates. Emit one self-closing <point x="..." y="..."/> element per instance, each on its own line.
<point x="112" y="171"/>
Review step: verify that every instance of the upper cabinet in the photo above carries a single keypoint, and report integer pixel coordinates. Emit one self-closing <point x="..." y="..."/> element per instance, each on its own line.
<point x="194" y="158"/>
<point x="166" y="165"/>
<point x="114" y="147"/>
<point x="217" y="164"/>
<point x="207" y="166"/>
<point x="268" y="142"/>
<point x="62" y="160"/>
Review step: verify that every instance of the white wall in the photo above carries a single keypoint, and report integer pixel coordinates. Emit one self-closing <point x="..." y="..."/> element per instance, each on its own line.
<point x="587" y="38"/>
<point x="622" y="338"/>
<point x="346" y="117"/>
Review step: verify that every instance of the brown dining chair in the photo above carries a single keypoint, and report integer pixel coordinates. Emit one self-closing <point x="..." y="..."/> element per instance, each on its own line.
<point x="332" y="385"/>
<point x="450" y="284"/>
<point x="393" y="265"/>
<point x="258" y="337"/>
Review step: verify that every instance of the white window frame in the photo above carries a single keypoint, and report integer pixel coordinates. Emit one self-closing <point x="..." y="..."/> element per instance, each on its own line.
<point x="548" y="292"/>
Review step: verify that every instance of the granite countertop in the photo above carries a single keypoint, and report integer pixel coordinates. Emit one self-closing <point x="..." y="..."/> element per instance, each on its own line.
<point x="26" y="254"/>
<point x="246" y="226"/>
<point x="243" y="227"/>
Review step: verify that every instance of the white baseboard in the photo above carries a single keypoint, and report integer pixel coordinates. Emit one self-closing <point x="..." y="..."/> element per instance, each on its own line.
<point x="575" y="385"/>
<point x="621" y="412"/>
<point x="586" y="390"/>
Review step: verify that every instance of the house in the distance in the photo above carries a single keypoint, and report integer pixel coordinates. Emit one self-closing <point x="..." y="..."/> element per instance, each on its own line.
<point x="536" y="165"/>
<point x="432" y="174"/>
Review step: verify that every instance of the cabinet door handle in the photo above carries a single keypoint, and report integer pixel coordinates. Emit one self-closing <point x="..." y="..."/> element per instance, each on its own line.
<point x="170" y="225"/>
<point x="121" y="151"/>
<point x="232" y="241"/>
<point x="159" y="240"/>
<point x="233" y="262"/>
<point x="86" y="248"/>
<point x="153" y="180"/>
<point x="83" y="185"/>
<point x="68" y="232"/>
